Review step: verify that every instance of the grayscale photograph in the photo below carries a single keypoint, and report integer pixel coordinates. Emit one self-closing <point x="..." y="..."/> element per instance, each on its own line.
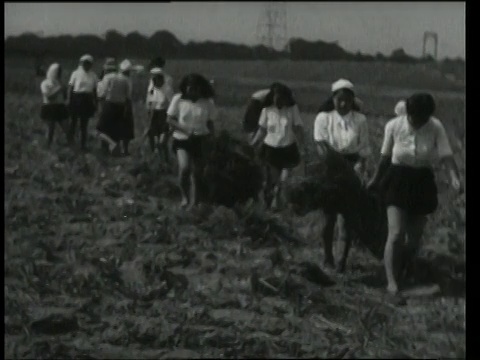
<point x="188" y="180"/>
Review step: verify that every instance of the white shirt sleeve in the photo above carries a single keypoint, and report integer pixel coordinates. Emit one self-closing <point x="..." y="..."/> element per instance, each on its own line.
<point x="320" y="127"/>
<point x="443" y="144"/>
<point x="365" y="149"/>
<point x="262" y="122"/>
<point x="297" y="119"/>
<point x="73" y="79"/>
<point x="173" y="109"/>
<point x="388" y="140"/>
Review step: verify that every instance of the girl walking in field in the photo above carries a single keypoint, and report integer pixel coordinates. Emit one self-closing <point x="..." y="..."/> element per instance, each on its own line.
<point x="83" y="98"/>
<point x="109" y="71"/>
<point x="412" y="143"/>
<point x="54" y="110"/>
<point x="167" y="87"/>
<point x="281" y="133"/>
<point x="341" y="127"/>
<point x="191" y="114"/>
<point x="158" y="99"/>
<point x="115" y="119"/>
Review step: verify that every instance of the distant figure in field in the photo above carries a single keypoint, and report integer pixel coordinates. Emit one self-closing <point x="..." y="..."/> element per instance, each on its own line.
<point x="413" y="142"/>
<point x="191" y="114"/>
<point x="116" y="119"/>
<point x="83" y="98"/>
<point x="167" y="87"/>
<point x="158" y="99"/>
<point x="252" y="114"/>
<point x="280" y="131"/>
<point x="108" y="143"/>
<point x="54" y="110"/>
<point x="340" y="125"/>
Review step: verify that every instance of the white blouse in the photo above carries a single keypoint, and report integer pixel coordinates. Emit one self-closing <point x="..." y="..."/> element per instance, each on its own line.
<point x="415" y="147"/>
<point x="279" y="125"/>
<point x="347" y="134"/>
<point x="82" y="81"/>
<point x="194" y="116"/>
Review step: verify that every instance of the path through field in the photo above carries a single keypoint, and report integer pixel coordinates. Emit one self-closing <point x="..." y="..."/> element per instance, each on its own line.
<point x="101" y="263"/>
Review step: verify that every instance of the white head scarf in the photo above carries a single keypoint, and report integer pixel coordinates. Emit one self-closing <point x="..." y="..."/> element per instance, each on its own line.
<point x="52" y="74"/>
<point x="401" y="108"/>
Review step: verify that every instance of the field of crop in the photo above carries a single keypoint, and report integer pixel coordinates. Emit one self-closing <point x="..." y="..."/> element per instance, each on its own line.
<point x="100" y="263"/>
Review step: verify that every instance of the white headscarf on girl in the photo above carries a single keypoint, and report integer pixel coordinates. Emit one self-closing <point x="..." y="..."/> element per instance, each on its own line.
<point x="51" y="79"/>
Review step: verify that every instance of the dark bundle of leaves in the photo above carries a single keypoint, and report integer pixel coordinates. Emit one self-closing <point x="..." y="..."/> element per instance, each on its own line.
<point x="231" y="175"/>
<point x="333" y="186"/>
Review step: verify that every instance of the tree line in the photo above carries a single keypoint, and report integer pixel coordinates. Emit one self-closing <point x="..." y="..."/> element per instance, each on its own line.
<point x="164" y="43"/>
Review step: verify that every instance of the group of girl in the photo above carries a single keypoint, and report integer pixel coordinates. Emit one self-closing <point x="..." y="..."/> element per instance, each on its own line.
<point x="413" y="142"/>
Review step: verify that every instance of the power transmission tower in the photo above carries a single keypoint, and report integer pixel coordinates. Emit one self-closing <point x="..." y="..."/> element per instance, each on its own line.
<point x="430" y="35"/>
<point x="272" y="27"/>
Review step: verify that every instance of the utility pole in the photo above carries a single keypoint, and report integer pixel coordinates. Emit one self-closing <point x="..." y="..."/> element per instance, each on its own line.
<point x="272" y="27"/>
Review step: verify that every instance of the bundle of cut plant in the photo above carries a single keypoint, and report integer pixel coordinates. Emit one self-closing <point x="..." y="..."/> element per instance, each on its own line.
<point x="332" y="185"/>
<point x="231" y="174"/>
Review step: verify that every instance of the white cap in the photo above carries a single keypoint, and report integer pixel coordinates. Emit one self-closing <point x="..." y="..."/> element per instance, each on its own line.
<point x="260" y="95"/>
<point x="401" y="108"/>
<point x="125" y="65"/>
<point x="156" y="71"/>
<point x="342" y="84"/>
<point x="86" y="57"/>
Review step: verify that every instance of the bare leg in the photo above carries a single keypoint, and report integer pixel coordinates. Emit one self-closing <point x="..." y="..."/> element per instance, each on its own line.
<point x="163" y="147"/>
<point x="83" y="132"/>
<point x="50" y="132"/>
<point x="274" y="186"/>
<point x="345" y="240"/>
<point x="328" y="232"/>
<point x="396" y="236"/>
<point x="72" y="129"/>
<point x="183" y="175"/>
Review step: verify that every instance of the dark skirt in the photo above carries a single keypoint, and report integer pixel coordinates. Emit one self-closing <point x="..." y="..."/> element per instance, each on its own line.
<point x="351" y="158"/>
<point x="82" y="105"/>
<point x="158" y="123"/>
<point x="54" y="112"/>
<point x="111" y="120"/>
<point x="411" y="189"/>
<point x="286" y="157"/>
<point x="193" y="145"/>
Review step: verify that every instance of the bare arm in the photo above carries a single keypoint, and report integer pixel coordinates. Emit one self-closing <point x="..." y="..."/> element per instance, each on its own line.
<point x="259" y="136"/>
<point x="173" y="122"/>
<point x="383" y="165"/>
<point x="454" y="173"/>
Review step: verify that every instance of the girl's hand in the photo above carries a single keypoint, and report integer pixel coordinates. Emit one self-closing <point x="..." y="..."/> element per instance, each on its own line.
<point x="457" y="185"/>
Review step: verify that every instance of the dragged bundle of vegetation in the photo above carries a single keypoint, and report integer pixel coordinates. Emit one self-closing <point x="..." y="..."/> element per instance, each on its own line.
<point x="231" y="174"/>
<point x="332" y="185"/>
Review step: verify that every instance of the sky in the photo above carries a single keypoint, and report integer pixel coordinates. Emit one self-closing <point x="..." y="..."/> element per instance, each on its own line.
<point x="369" y="27"/>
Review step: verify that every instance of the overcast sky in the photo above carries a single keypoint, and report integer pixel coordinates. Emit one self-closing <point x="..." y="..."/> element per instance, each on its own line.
<point x="366" y="26"/>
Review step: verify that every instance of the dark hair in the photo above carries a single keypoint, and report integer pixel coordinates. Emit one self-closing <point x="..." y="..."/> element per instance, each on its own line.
<point x="204" y="87"/>
<point x="329" y="105"/>
<point x="420" y="105"/>
<point x="282" y="90"/>
<point x="157" y="62"/>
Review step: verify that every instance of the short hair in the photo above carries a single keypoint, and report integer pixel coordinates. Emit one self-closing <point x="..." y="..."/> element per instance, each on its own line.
<point x="204" y="87"/>
<point x="421" y="105"/>
<point x="284" y="90"/>
<point x="157" y="62"/>
<point x="329" y="105"/>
